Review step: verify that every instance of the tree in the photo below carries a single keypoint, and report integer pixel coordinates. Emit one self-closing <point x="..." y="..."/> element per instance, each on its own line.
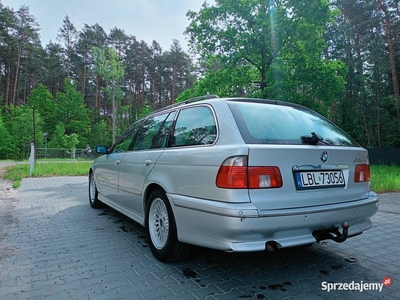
<point x="392" y="53"/>
<point x="177" y="71"/>
<point x="62" y="140"/>
<point x="43" y="102"/>
<point x="90" y="36"/>
<point x="7" y="27"/>
<point x="26" y="32"/>
<point x="71" y="110"/>
<point x="68" y="35"/>
<point x="277" y="43"/>
<point x="8" y="149"/>
<point x="53" y="68"/>
<point x="111" y="69"/>
<point x="23" y="128"/>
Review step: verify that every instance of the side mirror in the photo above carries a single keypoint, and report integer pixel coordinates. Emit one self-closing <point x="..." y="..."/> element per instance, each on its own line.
<point x="101" y="149"/>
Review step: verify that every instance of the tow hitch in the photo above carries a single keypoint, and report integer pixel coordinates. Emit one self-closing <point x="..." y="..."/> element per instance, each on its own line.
<point x="332" y="234"/>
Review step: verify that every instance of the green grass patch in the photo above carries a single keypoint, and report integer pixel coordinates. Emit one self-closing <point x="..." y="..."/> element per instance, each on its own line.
<point x="19" y="171"/>
<point x="385" y="179"/>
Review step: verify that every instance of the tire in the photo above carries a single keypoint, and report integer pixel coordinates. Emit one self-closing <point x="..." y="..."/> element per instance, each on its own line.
<point x="161" y="229"/>
<point x="93" y="193"/>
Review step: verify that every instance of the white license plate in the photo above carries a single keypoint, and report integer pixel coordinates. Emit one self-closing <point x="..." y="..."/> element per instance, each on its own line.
<point x="319" y="179"/>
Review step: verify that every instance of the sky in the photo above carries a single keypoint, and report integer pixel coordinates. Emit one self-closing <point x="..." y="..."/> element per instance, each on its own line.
<point x="147" y="20"/>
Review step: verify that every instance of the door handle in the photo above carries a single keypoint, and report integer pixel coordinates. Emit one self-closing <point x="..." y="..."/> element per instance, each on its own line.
<point x="147" y="162"/>
<point x="117" y="162"/>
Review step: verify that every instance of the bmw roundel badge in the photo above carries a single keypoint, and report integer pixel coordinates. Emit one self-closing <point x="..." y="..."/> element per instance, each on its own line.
<point x="324" y="157"/>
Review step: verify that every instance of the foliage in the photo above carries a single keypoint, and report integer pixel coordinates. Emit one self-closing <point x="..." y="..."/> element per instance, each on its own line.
<point x="61" y="139"/>
<point x="100" y="134"/>
<point x="71" y="109"/>
<point x="43" y="102"/>
<point x="267" y="49"/>
<point x="7" y="145"/>
<point x="110" y="68"/>
<point x="23" y="128"/>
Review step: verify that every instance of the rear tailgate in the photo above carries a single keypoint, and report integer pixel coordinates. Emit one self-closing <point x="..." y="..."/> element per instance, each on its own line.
<point x="311" y="175"/>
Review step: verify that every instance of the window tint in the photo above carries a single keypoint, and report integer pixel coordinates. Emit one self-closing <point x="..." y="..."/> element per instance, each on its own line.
<point x="124" y="143"/>
<point x="262" y="123"/>
<point x="195" y="126"/>
<point x="148" y="133"/>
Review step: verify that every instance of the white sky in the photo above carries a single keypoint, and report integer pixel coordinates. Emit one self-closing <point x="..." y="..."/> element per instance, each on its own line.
<point x="147" y="20"/>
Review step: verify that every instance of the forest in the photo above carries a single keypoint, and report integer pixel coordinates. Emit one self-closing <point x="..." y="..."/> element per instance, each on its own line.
<point x="338" y="57"/>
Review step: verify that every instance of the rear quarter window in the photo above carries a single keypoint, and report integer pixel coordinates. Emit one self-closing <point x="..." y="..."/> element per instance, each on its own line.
<point x="195" y="126"/>
<point x="264" y="123"/>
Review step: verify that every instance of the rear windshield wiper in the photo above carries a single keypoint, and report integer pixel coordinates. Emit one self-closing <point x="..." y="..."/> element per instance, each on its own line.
<point x="314" y="139"/>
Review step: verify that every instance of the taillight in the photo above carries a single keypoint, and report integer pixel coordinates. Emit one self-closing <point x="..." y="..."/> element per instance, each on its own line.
<point x="235" y="174"/>
<point x="362" y="173"/>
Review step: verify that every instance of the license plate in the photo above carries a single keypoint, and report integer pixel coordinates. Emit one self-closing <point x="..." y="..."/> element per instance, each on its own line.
<point x="319" y="179"/>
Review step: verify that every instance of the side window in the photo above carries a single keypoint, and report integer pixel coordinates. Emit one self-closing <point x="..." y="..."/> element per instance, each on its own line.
<point x="195" y="126"/>
<point x="150" y="128"/>
<point x="124" y="143"/>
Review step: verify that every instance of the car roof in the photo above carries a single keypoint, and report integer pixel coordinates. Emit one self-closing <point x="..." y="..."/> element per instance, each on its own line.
<point x="214" y="98"/>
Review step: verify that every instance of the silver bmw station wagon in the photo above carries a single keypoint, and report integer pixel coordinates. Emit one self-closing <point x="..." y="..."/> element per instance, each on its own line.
<point x="235" y="174"/>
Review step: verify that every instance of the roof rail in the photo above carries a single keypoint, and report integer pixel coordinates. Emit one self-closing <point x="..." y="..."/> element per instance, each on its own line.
<point x="204" y="97"/>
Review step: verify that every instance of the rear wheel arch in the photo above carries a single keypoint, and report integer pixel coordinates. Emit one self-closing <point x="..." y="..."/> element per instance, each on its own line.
<point x="150" y="188"/>
<point x="161" y="229"/>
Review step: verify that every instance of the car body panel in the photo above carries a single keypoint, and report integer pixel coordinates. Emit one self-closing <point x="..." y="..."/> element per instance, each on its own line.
<point x="238" y="227"/>
<point x="107" y="174"/>
<point x="194" y="172"/>
<point x="135" y="167"/>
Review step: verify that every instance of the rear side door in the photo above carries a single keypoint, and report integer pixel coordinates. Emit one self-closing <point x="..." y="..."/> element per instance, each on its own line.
<point x="138" y="163"/>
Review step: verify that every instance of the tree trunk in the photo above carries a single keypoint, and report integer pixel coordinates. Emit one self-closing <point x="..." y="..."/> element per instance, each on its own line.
<point x="392" y="62"/>
<point x="14" y="94"/>
<point x="362" y="89"/>
<point x="98" y="92"/>
<point x="173" y="84"/>
<point x="114" y="112"/>
<point x="1" y="67"/>
<point x="378" y="125"/>
<point x="8" y="75"/>
<point x="84" y="80"/>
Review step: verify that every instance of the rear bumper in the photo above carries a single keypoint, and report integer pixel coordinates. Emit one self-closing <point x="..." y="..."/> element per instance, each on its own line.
<point x="242" y="228"/>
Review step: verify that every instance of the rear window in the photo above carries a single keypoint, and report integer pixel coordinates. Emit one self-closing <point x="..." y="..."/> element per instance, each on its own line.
<point x="264" y="123"/>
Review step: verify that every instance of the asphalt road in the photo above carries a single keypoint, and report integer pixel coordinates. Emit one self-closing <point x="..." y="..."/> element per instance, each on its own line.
<point x="54" y="246"/>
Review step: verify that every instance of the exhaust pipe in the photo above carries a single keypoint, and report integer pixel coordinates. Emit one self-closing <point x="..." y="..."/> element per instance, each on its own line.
<point x="271" y="246"/>
<point x="333" y="234"/>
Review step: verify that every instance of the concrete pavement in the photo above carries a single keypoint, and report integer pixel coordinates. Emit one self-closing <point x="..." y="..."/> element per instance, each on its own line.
<point x="54" y="246"/>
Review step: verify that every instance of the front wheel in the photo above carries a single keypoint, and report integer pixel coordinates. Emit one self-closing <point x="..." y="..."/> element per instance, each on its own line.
<point x="161" y="229"/>
<point x="93" y="193"/>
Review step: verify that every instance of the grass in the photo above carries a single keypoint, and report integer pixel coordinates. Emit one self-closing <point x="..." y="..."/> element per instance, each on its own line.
<point x="19" y="171"/>
<point x="383" y="178"/>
